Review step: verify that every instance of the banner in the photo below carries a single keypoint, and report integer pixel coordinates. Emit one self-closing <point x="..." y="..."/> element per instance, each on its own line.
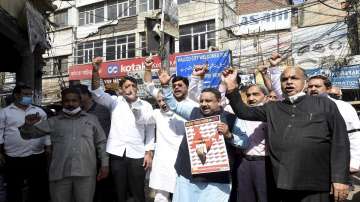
<point x="216" y="62"/>
<point x="207" y="148"/>
<point x="320" y="46"/>
<point x="263" y="21"/>
<point x="346" y="77"/>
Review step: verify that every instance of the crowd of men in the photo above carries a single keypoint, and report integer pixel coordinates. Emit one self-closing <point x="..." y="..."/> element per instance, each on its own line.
<point x="290" y="140"/>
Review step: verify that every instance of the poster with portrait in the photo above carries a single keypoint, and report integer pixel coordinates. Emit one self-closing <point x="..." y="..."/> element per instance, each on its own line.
<point x="207" y="148"/>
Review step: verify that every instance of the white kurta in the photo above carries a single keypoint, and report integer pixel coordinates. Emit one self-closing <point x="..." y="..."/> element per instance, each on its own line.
<point x="169" y="133"/>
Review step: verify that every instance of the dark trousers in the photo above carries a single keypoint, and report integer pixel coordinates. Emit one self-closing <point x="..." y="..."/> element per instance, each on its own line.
<point x="252" y="180"/>
<point x="33" y="170"/>
<point x="302" y="196"/>
<point x="104" y="191"/>
<point x="128" y="174"/>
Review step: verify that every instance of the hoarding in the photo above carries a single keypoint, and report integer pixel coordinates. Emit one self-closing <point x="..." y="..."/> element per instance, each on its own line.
<point x="216" y="62"/>
<point x="263" y="21"/>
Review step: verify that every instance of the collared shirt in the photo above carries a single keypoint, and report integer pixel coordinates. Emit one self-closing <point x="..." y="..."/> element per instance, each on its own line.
<point x="275" y="74"/>
<point x="353" y="128"/>
<point x="132" y="125"/>
<point x="257" y="132"/>
<point x="11" y="118"/>
<point x="76" y="142"/>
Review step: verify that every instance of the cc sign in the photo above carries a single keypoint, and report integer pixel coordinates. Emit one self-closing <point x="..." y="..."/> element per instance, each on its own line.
<point x="113" y="69"/>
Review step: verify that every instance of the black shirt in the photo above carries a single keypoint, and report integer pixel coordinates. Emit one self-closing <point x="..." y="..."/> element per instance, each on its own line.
<point x="308" y="143"/>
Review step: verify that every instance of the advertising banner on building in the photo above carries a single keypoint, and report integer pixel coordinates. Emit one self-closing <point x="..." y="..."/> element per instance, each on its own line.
<point x="207" y="148"/>
<point x="216" y="62"/>
<point x="320" y="46"/>
<point x="346" y="77"/>
<point x="263" y="21"/>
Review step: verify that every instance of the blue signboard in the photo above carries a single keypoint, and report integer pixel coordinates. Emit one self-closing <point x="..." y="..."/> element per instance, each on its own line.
<point x="346" y="77"/>
<point x="217" y="61"/>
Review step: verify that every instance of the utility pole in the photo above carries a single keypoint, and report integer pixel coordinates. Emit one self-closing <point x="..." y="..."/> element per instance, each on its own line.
<point x="164" y="42"/>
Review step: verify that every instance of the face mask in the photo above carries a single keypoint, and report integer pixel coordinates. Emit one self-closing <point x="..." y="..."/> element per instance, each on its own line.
<point x="26" y="100"/>
<point x="71" y="112"/>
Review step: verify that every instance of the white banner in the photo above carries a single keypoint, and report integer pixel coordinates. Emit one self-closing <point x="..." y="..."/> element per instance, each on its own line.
<point x="320" y="46"/>
<point x="263" y="21"/>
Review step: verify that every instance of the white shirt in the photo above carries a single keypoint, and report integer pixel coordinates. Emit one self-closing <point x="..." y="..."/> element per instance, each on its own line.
<point x="169" y="133"/>
<point x="353" y="127"/>
<point x="132" y="126"/>
<point x="257" y="132"/>
<point x="11" y="118"/>
<point x="275" y="74"/>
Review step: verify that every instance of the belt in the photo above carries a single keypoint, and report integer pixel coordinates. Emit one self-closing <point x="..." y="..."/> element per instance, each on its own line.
<point x="254" y="158"/>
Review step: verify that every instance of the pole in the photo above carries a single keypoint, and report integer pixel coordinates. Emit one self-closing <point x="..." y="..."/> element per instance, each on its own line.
<point x="164" y="42"/>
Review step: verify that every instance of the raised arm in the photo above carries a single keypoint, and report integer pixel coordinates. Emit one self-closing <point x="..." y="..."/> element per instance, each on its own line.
<point x="184" y="109"/>
<point x="240" y="109"/>
<point x="197" y="82"/>
<point x="149" y="84"/>
<point x="98" y="94"/>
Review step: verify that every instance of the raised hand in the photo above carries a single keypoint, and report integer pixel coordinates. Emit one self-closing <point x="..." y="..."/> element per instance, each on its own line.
<point x="164" y="77"/>
<point x="149" y="62"/>
<point x="229" y="78"/>
<point x="96" y="62"/>
<point x="200" y="71"/>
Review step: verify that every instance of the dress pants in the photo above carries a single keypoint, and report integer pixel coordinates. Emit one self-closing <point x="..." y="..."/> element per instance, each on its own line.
<point x="302" y="196"/>
<point x="73" y="189"/>
<point x="252" y="180"/>
<point x="128" y="174"/>
<point x="33" y="170"/>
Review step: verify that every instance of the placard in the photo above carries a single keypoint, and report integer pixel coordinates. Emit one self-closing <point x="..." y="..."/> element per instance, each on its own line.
<point x="207" y="149"/>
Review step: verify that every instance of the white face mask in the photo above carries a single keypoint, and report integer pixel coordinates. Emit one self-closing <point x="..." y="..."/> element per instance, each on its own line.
<point x="71" y="112"/>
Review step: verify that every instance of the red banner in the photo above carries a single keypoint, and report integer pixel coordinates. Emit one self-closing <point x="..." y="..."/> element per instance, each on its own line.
<point x="118" y="68"/>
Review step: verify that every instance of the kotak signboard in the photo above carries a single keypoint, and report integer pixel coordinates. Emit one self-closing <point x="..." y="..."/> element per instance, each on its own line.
<point x="116" y="69"/>
<point x="216" y="61"/>
<point x="263" y="21"/>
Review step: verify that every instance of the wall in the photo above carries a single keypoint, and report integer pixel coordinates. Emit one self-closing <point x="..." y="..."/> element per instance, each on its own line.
<point x="252" y="6"/>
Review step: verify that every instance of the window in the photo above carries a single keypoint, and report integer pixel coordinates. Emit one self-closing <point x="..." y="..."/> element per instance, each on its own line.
<point x="121" y="8"/>
<point x="60" y="65"/>
<point x="183" y="1"/>
<point x="120" y="47"/>
<point x="143" y="44"/>
<point x="148" y="5"/>
<point x="87" y="51"/>
<point x="61" y="18"/>
<point x="197" y="36"/>
<point x="91" y="15"/>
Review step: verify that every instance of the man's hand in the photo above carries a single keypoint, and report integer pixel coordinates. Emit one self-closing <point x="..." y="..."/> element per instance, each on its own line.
<point x="275" y="59"/>
<point x="31" y="119"/>
<point x="200" y="71"/>
<point x="229" y="77"/>
<point x="96" y="63"/>
<point x="223" y="129"/>
<point x="262" y="69"/>
<point x="103" y="173"/>
<point x="148" y="160"/>
<point x="149" y="62"/>
<point x="340" y="191"/>
<point x="164" y="77"/>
